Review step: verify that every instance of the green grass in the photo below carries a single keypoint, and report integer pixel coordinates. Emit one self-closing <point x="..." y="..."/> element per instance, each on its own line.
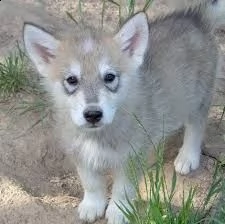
<point x="41" y="107"/>
<point x="126" y="8"/>
<point x="13" y="74"/>
<point x="159" y="207"/>
<point x="15" y="78"/>
<point x="219" y="217"/>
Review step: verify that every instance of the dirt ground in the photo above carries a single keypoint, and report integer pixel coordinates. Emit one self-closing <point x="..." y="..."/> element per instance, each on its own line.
<point x="38" y="184"/>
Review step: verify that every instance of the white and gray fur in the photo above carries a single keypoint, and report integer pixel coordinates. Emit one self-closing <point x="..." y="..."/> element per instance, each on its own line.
<point x="165" y="73"/>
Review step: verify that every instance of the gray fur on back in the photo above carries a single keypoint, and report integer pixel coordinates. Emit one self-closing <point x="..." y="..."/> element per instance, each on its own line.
<point x="179" y="70"/>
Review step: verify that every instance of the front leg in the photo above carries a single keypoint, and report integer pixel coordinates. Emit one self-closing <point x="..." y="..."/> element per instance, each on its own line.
<point x="94" y="201"/>
<point x="122" y="189"/>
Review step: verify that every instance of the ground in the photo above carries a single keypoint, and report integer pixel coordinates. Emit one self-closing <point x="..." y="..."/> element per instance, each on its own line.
<point x="38" y="184"/>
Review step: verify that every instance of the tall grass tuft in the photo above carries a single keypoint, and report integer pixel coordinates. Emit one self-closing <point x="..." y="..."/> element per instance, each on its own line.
<point x="13" y="74"/>
<point x="158" y="207"/>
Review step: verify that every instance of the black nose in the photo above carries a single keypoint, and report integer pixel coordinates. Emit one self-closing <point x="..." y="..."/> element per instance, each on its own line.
<point x="93" y="116"/>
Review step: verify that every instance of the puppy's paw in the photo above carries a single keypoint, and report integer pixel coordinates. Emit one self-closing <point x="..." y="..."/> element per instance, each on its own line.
<point x="91" y="208"/>
<point x="187" y="160"/>
<point x="114" y="215"/>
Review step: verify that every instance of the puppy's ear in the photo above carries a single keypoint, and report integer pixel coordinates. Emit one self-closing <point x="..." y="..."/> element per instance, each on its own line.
<point x="133" y="37"/>
<point x="40" y="46"/>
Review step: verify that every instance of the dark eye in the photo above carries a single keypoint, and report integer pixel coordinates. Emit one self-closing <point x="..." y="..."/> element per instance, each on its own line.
<point x="109" y="78"/>
<point x="70" y="84"/>
<point x="72" y="80"/>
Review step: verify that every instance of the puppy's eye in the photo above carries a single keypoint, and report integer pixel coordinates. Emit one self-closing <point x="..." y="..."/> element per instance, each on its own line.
<point x="72" y="80"/>
<point x="109" y="77"/>
<point x="70" y="84"/>
<point x="111" y="81"/>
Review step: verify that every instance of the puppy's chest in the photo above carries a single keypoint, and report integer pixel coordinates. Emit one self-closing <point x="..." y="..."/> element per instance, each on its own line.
<point x="101" y="154"/>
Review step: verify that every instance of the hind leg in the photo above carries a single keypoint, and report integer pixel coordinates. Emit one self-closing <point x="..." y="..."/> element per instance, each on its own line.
<point x="189" y="155"/>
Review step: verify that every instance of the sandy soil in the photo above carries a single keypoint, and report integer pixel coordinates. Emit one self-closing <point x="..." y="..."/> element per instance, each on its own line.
<point x="38" y="184"/>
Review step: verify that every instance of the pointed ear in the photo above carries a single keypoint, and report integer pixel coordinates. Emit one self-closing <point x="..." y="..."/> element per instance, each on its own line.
<point x="40" y="46"/>
<point x="133" y="37"/>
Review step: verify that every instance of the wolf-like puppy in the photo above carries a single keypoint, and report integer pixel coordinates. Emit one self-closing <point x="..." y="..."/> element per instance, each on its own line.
<point x="160" y="74"/>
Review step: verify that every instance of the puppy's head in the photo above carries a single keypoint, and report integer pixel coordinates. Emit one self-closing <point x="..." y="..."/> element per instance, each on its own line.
<point x="89" y="73"/>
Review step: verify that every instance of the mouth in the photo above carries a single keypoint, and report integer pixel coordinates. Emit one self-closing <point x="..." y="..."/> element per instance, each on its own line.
<point x="93" y="126"/>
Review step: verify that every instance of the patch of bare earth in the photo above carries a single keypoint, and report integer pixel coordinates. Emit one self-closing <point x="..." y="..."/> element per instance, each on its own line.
<point x="38" y="184"/>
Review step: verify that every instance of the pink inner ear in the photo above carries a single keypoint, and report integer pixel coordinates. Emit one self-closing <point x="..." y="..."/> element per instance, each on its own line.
<point x="44" y="52"/>
<point x="131" y="44"/>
